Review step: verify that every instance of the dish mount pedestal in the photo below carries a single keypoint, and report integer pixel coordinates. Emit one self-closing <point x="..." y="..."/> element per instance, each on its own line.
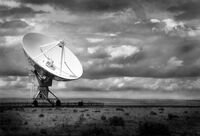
<point x="43" y="91"/>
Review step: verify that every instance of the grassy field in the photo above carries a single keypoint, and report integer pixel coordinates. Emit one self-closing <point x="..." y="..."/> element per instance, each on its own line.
<point x="101" y="121"/>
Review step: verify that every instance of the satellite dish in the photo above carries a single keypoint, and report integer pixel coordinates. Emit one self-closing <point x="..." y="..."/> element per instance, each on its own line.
<point x="52" y="56"/>
<point x="51" y="59"/>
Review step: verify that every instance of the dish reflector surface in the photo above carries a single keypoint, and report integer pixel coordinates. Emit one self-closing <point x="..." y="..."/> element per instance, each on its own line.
<point x="53" y="56"/>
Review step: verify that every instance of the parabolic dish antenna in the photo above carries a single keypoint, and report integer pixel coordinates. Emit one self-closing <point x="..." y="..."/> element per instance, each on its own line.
<point x="51" y="59"/>
<point x="52" y="56"/>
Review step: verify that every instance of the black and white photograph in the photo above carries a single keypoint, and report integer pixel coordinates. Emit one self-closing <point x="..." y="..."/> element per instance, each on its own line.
<point x="99" y="67"/>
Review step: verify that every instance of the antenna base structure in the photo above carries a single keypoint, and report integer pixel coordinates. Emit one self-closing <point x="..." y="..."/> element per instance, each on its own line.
<point x="44" y="81"/>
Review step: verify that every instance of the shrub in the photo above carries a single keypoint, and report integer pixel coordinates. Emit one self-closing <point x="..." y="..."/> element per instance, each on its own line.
<point x="116" y="121"/>
<point x="119" y="109"/>
<point x="153" y="113"/>
<point x="103" y="118"/>
<point x="34" y="110"/>
<point x="88" y="115"/>
<point x="161" y="109"/>
<point x="43" y="131"/>
<point x="41" y="115"/>
<point x="95" y="131"/>
<point x="172" y="116"/>
<point x="81" y="118"/>
<point x="75" y="110"/>
<point x="127" y="114"/>
<point x="54" y="119"/>
<point x="153" y="129"/>
<point x="25" y="123"/>
<point x="84" y="110"/>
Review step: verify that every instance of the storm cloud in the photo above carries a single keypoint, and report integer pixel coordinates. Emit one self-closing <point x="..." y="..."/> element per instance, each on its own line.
<point x="131" y="46"/>
<point x="186" y="11"/>
<point x="13" y="61"/>
<point x="18" y="12"/>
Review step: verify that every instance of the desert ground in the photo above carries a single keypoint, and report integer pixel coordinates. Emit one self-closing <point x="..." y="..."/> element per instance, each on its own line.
<point x="100" y="121"/>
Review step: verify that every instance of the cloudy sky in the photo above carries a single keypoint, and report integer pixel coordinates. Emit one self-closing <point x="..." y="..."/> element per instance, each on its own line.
<point x="128" y="48"/>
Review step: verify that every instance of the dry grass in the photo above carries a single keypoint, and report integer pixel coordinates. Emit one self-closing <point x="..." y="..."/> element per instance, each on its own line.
<point x="153" y="129"/>
<point x="100" y="121"/>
